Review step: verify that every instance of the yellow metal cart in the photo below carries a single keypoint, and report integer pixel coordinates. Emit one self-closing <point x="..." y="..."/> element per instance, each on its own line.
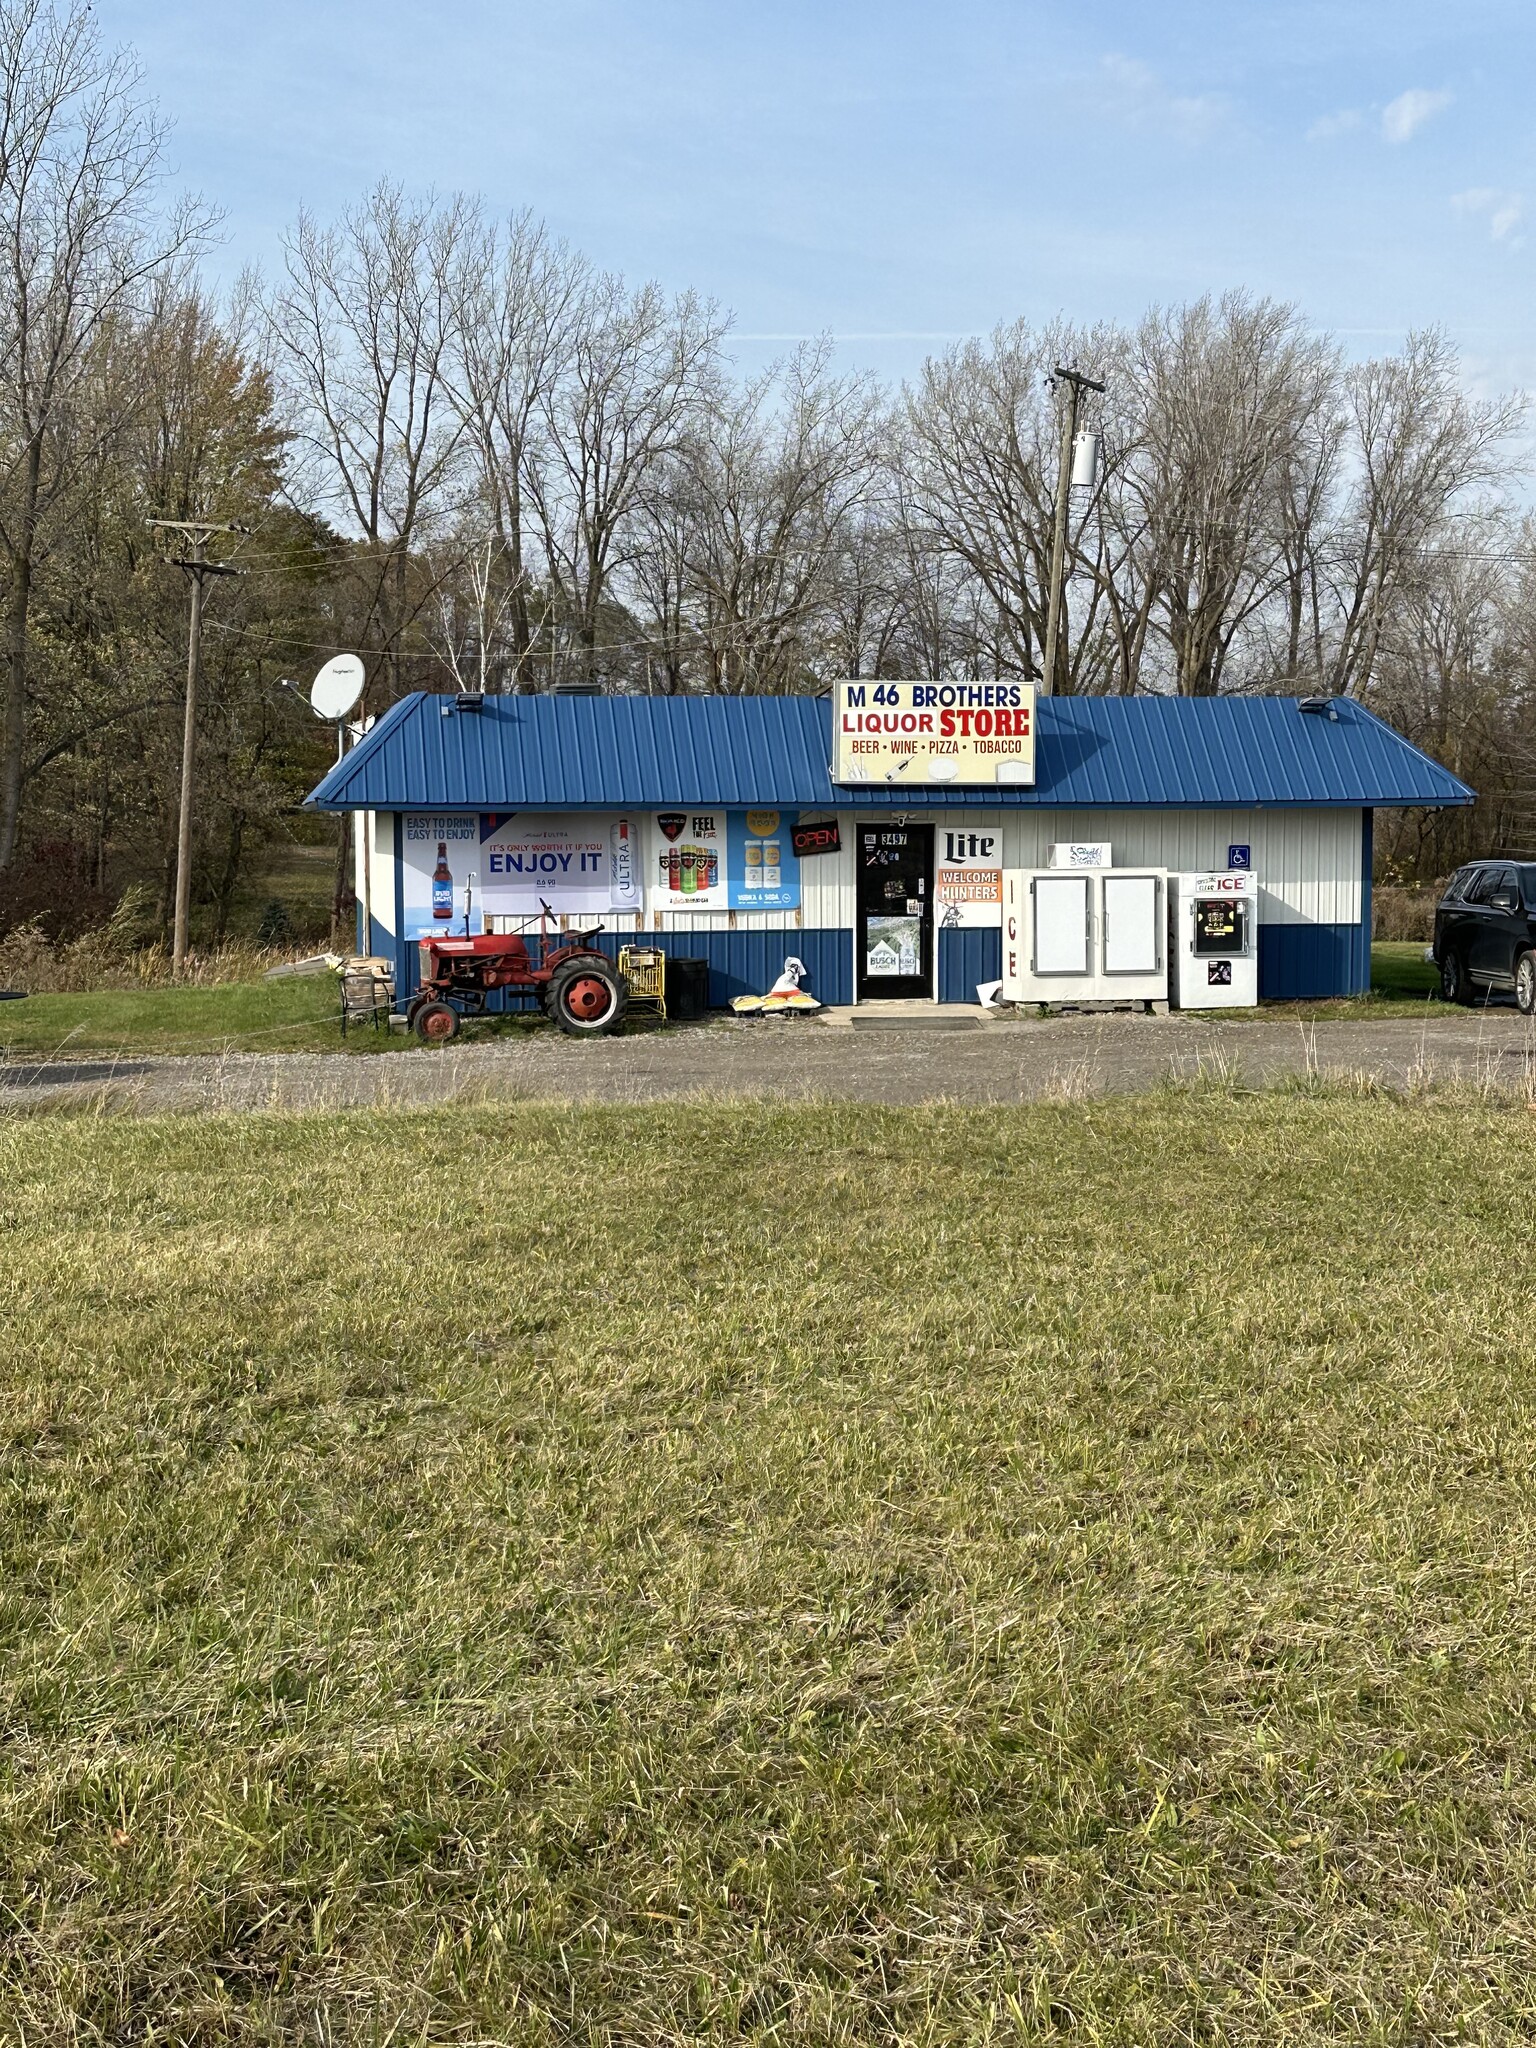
<point x="645" y="969"/>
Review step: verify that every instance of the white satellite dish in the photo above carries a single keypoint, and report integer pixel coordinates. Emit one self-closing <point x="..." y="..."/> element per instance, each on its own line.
<point x="338" y="686"/>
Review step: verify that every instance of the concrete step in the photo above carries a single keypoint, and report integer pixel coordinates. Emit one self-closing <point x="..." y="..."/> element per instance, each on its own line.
<point x="913" y="1017"/>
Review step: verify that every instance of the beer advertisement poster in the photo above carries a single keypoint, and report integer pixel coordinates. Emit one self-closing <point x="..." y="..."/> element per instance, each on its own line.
<point x="580" y="866"/>
<point x="918" y="735"/>
<point x="968" y="877"/>
<point x="439" y="858"/>
<point x="690" y="869"/>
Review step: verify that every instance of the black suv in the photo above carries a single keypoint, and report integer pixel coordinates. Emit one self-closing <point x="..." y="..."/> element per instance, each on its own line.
<point x="1485" y="932"/>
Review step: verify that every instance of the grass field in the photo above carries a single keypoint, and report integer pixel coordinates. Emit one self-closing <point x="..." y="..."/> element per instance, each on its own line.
<point x="298" y="1015"/>
<point x="798" y="1576"/>
<point x="302" y="1015"/>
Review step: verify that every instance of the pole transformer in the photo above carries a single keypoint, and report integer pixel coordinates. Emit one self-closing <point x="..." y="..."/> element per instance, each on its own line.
<point x="196" y="532"/>
<point x="1076" y="384"/>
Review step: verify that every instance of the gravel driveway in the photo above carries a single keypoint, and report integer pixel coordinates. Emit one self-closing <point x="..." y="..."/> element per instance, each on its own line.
<point x="985" y="1062"/>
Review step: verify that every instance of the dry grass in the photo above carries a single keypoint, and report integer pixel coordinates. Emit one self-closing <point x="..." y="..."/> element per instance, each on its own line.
<point x="794" y="1575"/>
<point x="102" y="960"/>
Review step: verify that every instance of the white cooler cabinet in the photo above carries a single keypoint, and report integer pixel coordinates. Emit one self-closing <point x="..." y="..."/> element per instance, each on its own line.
<point x="1085" y="935"/>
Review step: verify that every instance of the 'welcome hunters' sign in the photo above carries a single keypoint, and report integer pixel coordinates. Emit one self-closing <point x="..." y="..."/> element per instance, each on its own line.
<point x="911" y="734"/>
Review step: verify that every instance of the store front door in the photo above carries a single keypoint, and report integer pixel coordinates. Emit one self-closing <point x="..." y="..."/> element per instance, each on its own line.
<point x="894" y="932"/>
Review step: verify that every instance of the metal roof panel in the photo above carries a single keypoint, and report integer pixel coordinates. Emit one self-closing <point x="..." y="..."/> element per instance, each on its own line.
<point x="1093" y="753"/>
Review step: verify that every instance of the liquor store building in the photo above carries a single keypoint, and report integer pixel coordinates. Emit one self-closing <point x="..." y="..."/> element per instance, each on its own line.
<point x="713" y="826"/>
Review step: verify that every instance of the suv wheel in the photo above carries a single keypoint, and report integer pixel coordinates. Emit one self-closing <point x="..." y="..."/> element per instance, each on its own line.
<point x="1525" y="984"/>
<point x="1455" y="983"/>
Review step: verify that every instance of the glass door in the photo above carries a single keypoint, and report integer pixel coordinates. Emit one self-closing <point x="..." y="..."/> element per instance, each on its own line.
<point x="894" y="931"/>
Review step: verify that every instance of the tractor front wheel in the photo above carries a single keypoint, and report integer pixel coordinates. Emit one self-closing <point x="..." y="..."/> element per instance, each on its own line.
<point x="588" y="997"/>
<point x="434" y="1023"/>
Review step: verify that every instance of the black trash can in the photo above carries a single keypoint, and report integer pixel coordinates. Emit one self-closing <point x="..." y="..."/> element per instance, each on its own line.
<point x="687" y="989"/>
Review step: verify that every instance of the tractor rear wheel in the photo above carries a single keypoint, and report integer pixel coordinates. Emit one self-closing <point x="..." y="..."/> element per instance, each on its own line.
<point x="587" y="997"/>
<point x="435" y="1023"/>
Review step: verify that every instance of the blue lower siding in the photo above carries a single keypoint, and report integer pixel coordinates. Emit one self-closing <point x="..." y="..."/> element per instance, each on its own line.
<point x="1308" y="960"/>
<point x="749" y="963"/>
<point x="1295" y="961"/>
<point x="740" y="963"/>
<point x="965" y="958"/>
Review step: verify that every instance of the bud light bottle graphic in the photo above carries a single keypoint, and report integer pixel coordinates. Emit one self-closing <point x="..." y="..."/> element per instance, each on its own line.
<point x="442" y="885"/>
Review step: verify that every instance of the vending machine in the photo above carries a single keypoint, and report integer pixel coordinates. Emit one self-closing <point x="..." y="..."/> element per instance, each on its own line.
<point x="1213" y="946"/>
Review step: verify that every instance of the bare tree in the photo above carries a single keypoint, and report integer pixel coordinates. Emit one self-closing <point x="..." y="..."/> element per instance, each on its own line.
<point x="364" y="326"/>
<point x="520" y="294"/>
<point x="1418" y="445"/>
<point x="981" y="446"/>
<point x="80" y="166"/>
<point x="1232" y="400"/>
<point x="635" y="371"/>
<point x="772" y="479"/>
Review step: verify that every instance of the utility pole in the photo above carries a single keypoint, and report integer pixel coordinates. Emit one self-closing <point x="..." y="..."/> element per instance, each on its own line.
<point x="1077" y="384"/>
<point x="196" y="533"/>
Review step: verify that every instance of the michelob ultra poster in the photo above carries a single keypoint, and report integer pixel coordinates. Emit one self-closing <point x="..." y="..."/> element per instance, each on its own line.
<point x="916" y="734"/>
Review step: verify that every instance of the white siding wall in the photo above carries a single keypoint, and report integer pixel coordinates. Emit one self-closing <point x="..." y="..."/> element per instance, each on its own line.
<point x="379" y="829"/>
<point x="1307" y="862"/>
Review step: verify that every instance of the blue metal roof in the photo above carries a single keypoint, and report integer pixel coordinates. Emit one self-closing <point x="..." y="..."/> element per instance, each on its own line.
<point x="554" y="753"/>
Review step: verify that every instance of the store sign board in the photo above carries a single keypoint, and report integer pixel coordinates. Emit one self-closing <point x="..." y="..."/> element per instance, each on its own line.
<point x="919" y="734"/>
<point x="968" y="879"/>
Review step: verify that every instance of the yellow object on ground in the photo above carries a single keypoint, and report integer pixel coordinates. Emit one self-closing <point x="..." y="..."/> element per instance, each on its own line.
<point x="785" y="997"/>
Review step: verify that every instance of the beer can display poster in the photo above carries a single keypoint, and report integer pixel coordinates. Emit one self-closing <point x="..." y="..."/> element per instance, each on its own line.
<point x="690" y="869"/>
<point x="764" y="870"/>
<point x="439" y="863"/>
<point x="916" y="734"/>
<point x="724" y="860"/>
<point x="968" y="879"/>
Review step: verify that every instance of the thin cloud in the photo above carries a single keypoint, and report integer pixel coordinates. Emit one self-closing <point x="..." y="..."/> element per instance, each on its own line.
<point x="1327" y="126"/>
<point x="1402" y="118"/>
<point x="1137" y="95"/>
<point x="1503" y="212"/>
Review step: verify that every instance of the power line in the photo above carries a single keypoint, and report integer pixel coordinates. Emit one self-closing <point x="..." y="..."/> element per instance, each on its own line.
<point x="197" y="533"/>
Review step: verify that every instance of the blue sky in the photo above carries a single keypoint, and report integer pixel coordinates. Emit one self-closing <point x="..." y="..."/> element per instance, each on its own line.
<point x="902" y="173"/>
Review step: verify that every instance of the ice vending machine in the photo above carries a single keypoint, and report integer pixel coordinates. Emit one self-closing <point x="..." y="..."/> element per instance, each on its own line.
<point x="1214" y="940"/>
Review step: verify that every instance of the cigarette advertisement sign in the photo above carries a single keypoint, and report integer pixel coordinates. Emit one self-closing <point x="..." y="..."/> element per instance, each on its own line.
<point x="924" y="733"/>
<point x="968" y="883"/>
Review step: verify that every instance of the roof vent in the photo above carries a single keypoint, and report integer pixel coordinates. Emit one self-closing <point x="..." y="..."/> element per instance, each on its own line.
<point x="464" y="700"/>
<point x="578" y="690"/>
<point x="1321" y="707"/>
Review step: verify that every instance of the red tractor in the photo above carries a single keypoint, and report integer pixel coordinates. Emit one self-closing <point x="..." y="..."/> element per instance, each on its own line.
<point x="575" y="983"/>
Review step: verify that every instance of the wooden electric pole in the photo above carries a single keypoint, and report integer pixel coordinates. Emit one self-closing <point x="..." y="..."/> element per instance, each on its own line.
<point x="1076" y="384"/>
<point x="197" y="566"/>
